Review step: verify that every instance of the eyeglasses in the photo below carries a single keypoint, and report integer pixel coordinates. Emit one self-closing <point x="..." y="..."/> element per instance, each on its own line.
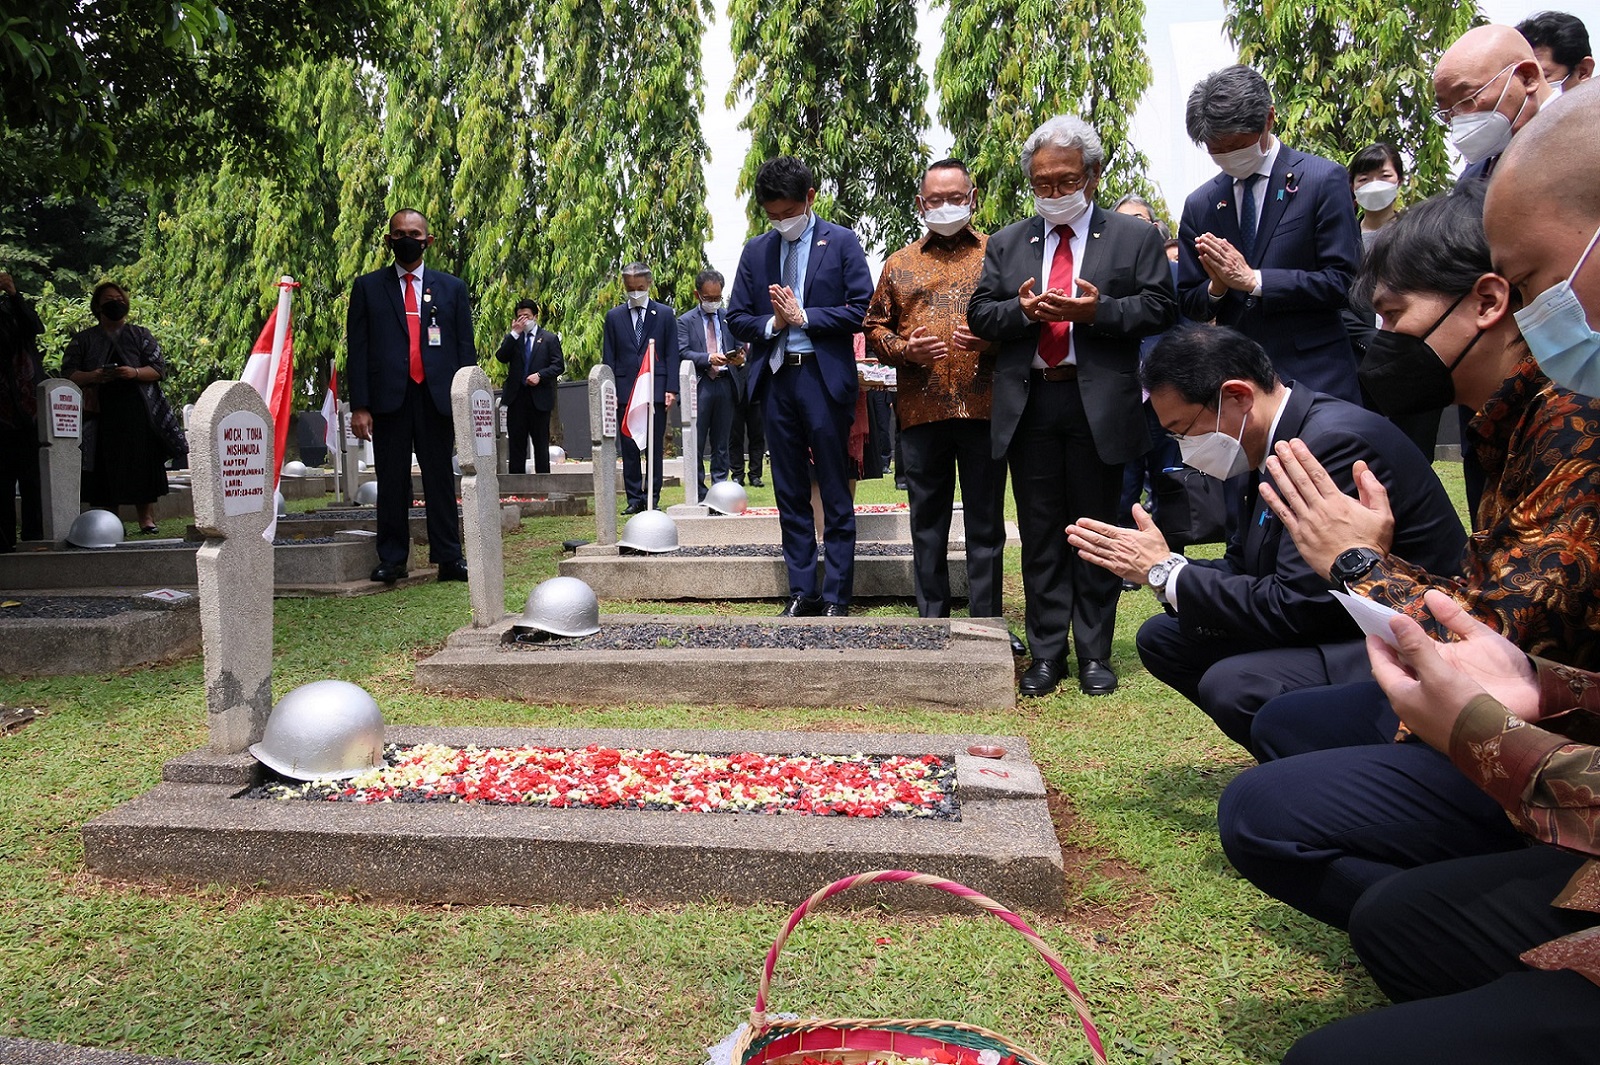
<point x="1065" y="186"/>
<point x="1443" y="115"/>
<point x="955" y="199"/>
<point x="1185" y="430"/>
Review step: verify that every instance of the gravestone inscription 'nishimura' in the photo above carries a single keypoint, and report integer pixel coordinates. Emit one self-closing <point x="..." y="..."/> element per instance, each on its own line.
<point x="472" y="404"/>
<point x="60" y="460"/>
<point x="603" y="435"/>
<point x="231" y="456"/>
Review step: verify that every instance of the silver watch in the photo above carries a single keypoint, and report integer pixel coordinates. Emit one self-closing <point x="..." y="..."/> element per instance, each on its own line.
<point x="1162" y="571"/>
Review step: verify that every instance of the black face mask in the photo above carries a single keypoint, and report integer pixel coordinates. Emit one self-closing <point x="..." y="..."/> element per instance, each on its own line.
<point x="114" y="310"/>
<point x="1404" y="375"/>
<point x="407" y="249"/>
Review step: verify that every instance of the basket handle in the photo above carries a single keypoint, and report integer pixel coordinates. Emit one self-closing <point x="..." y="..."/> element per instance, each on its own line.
<point x="758" y="1015"/>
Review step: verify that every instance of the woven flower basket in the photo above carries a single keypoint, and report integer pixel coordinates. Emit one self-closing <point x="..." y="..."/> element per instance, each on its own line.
<point x="850" y="1041"/>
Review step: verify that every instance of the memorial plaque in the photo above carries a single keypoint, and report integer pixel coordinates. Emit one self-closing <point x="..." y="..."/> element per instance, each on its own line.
<point x="243" y="441"/>
<point x="608" y="409"/>
<point x="483" y="422"/>
<point x="66" y="413"/>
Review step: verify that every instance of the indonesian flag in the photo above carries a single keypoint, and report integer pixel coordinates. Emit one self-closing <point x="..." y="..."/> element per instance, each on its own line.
<point x="279" y="392"/>
<point x="636" y="422"/>
<point x="330" y="412"/>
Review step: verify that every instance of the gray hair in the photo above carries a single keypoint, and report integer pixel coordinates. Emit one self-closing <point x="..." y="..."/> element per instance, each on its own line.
<point x="1232" y="100"/>
<point x="1069" y="133"/>
<point x="1136" y="199"/>
<point x="636" y="268"/>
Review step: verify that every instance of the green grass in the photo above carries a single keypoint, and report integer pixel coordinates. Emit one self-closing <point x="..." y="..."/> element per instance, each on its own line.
<point x="1180" y="959"/>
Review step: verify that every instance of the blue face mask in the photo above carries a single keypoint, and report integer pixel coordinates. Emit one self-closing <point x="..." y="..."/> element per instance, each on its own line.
<point x="1556" y="328"/>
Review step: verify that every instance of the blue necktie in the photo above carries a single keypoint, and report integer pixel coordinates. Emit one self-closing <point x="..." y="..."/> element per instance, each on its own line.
<point x="638" y="328"/>
<point x="790" y="277"/>
<point x="1247" y="216"/>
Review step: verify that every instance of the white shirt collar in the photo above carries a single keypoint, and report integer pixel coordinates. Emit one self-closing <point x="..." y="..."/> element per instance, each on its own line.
<point x="400" y="272"/>
<point x="1272" y="430"/>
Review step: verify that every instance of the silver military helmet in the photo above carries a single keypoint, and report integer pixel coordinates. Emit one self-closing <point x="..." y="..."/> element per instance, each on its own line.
<point x="325" y="730"/>
<point x="726" y="497"/>
<point x="95" y="528"/>
<point x="280" y="506"/>
<point x="650" y="531"/>
<point x="367" y="494"/>
<point x="561" y="606"/>
<point x="558" y="454"/>
<point x="294" y="468"/>
<point x="455" y="464"/>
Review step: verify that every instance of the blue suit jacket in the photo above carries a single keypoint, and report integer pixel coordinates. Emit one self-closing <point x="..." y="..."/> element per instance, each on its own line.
<point x="1308" y="248"/>
<point x="379" y="363"/>
<point x="838" y="288"/>
<point x="624" y="355"/>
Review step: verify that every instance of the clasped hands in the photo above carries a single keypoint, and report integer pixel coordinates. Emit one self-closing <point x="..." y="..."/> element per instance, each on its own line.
<point x="923" y="347"/>
<point x="786" y="306"/>
<point x="1323" y="521"/>
<point x="1224" y="264"/>
<point x="1058" y="305"/>
<point x="1129" y="553"/>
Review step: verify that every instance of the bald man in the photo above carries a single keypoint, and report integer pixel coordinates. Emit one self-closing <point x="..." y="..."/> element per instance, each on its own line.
<point x="1488" y="85"/>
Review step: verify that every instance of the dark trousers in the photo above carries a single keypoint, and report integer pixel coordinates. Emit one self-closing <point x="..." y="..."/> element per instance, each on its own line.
<point x="524" y="420"/>
<point x="1443" y="941"/>
<point x="935" y="453"/>
<point x="747" y="441"/>
<point x="1322" y="719"/>
<point x="1057" y="477"/>
<point x="19" y="476"/>
<point x="1231" y="679"/>
<point x="882" y="428"/>
<point x="415" y="426"/>
<point x="715" y="420"/>
<point x="809" y="434"/>
<point x="1138" y="476"/>
<point x="633" y="464"/>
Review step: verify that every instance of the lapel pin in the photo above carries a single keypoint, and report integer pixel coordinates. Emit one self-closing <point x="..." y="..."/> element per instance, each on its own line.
<point x="1221" y="204"/>
<point x="1289" y="185"/>
<point x="1033" y="240"/>
<point x="822" y="243"/>
<point x="1096" y="236"/>
<point x="427" y="295"/>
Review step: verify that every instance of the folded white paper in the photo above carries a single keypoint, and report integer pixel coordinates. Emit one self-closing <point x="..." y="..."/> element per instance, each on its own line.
<point x="1372" y="617"/>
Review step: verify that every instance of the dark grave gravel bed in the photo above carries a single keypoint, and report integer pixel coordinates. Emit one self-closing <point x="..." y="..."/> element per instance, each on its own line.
<point x="863" y="550"/>
<point x="738" y="637"/>
<point x="341" y="514"/>
<point x="298" y="540"/>
<point x="71" y="607"/>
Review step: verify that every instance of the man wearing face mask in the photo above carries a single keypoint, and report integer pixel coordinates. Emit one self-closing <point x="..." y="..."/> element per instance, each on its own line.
<point x="533" y="362"/>
<point x="629" y="329"/>
<point x="703" y="339"/>
<point x="1259" y="621"/>
<point x="945" y="375"/>
<point x="1561" y="44"/>
<point x="1270" y="245"/>
<point x="409" y="330"/>
<point x="1066" y="297"/>
<point x="1488" y="86"/>
<point x="798" y="300"/>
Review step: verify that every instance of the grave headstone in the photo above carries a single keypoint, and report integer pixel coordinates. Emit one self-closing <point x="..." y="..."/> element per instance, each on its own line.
<point x="603" y="434"/>
<point x="472" y="403"/>
<point x="60" y="460"/>
<point x="232" y="462"/>
<point x="689" y="405"/>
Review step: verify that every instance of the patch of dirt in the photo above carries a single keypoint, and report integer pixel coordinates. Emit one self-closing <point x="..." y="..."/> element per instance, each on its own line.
<point x="16" y="718"/>
<point x="1112" y="907"/>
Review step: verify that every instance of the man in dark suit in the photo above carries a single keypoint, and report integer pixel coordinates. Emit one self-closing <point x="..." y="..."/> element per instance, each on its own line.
<point x="629" y="329"/>
<point x="1260" y="621"/>
<point x="747" y="440"/>
<point x="409" y="330"/>
<point x="1067" y="295"/>
<point x="533" y="362"/>
<point x="798" y="300"/>
<point x="1271" y="244"/>
<point x="703" y="339"/>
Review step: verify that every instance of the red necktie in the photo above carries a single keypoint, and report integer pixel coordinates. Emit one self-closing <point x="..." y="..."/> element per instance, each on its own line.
<point x="1055" y="338"/>
<point x="414" y="327"/>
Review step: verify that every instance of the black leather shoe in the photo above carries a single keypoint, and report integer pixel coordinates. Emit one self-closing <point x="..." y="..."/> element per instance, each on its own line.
<point x="1018" y="648"/>
<point x="385" y="574"/>
<point x="633" y="508"/>
<point x="835" y="610"/>
<point x="756" y="482"/>
<point x="802" y="606"/>
<point x="1041" y="678"/>
<point x="1095" y="677"/>
<point x="453" y="571"/>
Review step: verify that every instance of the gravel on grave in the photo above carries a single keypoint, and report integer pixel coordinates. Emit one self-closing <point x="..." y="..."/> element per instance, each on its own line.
<point x="873" y="549"/>
<point x="65" y="607"/>
<point x="659" y="636"/>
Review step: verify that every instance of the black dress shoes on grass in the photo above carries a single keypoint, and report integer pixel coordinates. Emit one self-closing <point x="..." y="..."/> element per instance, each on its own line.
<point x="802" y="606"/>
<point x="453" y="571"/>
<point x="1018" y="648"/>
<point x="835" y="610"/>
<point x="1096" y="678"/>
<point x="386" y="574"/>
<point x="1042" y="678"/>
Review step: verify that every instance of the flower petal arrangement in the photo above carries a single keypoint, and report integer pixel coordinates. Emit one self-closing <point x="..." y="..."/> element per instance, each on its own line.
<point x="604" y="778"/>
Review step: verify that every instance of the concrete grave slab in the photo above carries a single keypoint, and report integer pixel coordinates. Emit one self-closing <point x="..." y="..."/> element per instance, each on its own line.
<point x="614" y="575"/>
<point x="972" y="670"/>
<point x="318" y="524"/>
<point x="38" y="1052"/>
<point x="96" y="634"/>
<point x="192" y="829"/>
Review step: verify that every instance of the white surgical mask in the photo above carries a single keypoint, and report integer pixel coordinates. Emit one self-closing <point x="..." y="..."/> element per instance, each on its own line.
<point x="1377" y="195"/>
<point x="1216" y="454"/>
<point x="947" y="220"/>
<point x="1241" y="162"/>
<point x="1557" y="330"/>
<point x="1060" y="210"/>
<point x="791" y="228"/>
<point x="639" y="299"/>
<point x="1478" y="135"/>
<point x="711" y="306"/>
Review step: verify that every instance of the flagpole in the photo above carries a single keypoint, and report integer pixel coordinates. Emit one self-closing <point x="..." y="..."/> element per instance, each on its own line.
<point x="650" y="436"/>
<point x="286" y="287"/>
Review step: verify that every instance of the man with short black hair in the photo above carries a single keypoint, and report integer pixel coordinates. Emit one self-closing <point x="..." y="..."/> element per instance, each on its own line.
<point x="533" y="362"/>
<point x="704" y="340"/>
<point x="1560" y="43"/>
<point x="629" y="330"/>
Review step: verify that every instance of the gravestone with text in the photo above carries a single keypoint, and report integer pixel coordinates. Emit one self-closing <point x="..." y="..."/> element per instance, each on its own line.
<point x="232" y="462"/>
<point x="603" y="434"/>
<point x="473" y="406"/>
<point x="60" y="461"/>
<point x="689" y="403"/>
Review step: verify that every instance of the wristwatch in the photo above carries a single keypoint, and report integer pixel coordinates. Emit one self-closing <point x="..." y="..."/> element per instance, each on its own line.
<point x="1353" y="564"/>
<point x="1162" y="572"/>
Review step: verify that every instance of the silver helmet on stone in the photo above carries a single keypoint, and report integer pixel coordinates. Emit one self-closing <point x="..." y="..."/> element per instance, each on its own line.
<point x="650" y="531"/>
<point x="95" y="528"/>
<point x="280" y="506"/>
<point x="558" y="454"/>
<point x="727" y="497"/>
<point x="561" y="606"/>
<point x="325" y="730"/>
<point x="367" y="494"/>
<point x="294" y="468"/>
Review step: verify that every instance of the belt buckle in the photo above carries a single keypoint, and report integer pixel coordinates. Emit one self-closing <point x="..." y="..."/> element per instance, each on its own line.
<point x="793" y="358"/>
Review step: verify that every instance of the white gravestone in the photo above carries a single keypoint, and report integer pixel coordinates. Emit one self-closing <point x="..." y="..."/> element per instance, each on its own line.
<point x="60" y="460"/>
<point x="603" y="435"/>
<point x="231" y="459"/>
<point x="472" y="404"/>
<point x="689" y="454"/>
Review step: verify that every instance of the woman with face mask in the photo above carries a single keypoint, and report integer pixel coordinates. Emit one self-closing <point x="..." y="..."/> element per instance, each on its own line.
<point x="1376" y="174"/>
<point x="130" y="430"/>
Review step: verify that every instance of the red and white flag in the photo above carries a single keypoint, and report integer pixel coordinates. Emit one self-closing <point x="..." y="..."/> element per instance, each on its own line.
<point x="636" y="420"/>
<point x="270" y="371"/>
<point x="330" y="413"/>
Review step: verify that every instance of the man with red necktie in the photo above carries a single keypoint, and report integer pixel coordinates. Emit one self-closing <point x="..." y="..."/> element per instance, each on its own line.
<point x="1067" y="295"/>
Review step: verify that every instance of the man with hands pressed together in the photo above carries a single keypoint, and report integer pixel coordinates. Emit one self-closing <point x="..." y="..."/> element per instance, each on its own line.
<point x="533" y="362"/>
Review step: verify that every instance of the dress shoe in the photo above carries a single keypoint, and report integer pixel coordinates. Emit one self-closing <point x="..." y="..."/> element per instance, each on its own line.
<point x="453" y="571"/>
<point x="1018" y="648"/>
<point x="1095" y="677"/>
<point x="633" y="508"/>
<point x="802" y="606"/>
<point x="1130" y="586"/>
<point x="756" y="482"/>
<point x="1041" y="678"/>
<point x="386" y="574"/>
<point x="835" y="610"/>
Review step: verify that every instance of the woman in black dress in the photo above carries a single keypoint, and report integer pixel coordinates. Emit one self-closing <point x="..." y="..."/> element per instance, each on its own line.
<point x="114" y="363"/>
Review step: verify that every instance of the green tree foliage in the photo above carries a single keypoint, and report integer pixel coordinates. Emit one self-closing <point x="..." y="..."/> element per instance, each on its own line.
<point x="1007" y="65"/>
<point x="836" y="83"/>
<point x="1347" y="73"/>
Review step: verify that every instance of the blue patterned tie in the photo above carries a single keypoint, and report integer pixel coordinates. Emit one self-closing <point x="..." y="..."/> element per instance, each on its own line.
<point x="790" y="276"/>
<point x="638" y="328"/>
<point x="1247" y="216"/>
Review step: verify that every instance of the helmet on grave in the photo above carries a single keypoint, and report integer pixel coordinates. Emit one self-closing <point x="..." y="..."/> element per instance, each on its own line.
<point x="280" y="506"/>
<point x="558" y="454"/>
<point x="325" y="730"/>
<point x="95" y="528"/>
<point x="650" y="531"/>
<point x="367" y="494"/>
<point x="561" y="606"/>
<point x="294" y="468"/>
<point x="726" y="497"/>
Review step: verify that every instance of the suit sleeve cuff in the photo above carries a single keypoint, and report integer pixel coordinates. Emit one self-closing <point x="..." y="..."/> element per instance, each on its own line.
<point x="1171" y="596"/>
<point x="1256" y="291"/>
<point x="772" y="327"/>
